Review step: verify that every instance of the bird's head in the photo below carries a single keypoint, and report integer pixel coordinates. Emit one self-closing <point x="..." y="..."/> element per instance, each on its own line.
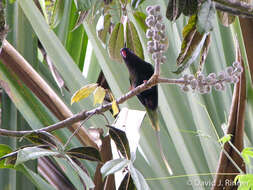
<point x="125" y="52"/>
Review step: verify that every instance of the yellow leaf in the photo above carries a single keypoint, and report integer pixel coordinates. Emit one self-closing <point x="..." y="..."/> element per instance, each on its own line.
<point x="99" y="95"/>
<point x="84" y="92"/>
<point x="115" y="108"/>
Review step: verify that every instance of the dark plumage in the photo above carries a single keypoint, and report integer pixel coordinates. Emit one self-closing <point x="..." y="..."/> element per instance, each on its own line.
<point x="141" y="71"/>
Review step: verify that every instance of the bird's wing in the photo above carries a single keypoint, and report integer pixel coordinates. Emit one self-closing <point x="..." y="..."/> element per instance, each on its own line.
<point x="131" y="85"/>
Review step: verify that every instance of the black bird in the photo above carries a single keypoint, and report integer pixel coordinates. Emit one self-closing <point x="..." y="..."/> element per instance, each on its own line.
<point x="139" y="72"/>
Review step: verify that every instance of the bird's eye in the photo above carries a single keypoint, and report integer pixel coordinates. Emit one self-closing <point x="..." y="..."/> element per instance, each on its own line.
<point x="123" y="53"/>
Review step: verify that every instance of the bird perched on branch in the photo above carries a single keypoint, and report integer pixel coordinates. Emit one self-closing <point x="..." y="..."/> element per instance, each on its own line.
<point x="139" y="72"/>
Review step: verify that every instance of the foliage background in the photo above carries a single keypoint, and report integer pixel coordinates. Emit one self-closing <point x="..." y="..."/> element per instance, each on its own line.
<point x="189" y="122"/>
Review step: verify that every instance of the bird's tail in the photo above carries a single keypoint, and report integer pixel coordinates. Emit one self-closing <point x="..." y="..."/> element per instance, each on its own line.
<point x="162" y="153"/>
<point x="153" y="116"/>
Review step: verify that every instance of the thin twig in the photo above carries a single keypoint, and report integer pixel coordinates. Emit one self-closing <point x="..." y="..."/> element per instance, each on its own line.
<point x="67" y="122"/>
<point x="76" y="131"/>
<point x="108" y="123"/>
<point x="170" y="81"/>
<point x="157" y="68"/>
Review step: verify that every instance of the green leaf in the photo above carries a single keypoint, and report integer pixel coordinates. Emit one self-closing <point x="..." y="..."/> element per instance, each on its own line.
<point x="81" y="17"/>
<point x="31" y="153"/>
<point x="11" y="1"/>
<point x="206" y="16"/>
<point x="246" y="153"/>
<point x="191" y="46"/>
<point x="53" y="46"/>
<point x="136" y="3"/>
<point x="84" y="5"/>
<point x="236" y="178"/>
<point x="35" y="178"/>
<point x="5" y="152"/>
<point x="44" y="138"/>
<point x="87" y="153"/>
<point x="57" y="13"/>
<point x="35" y="113"/>
<point x="225" y="139"/>
<point x="174" y="9"/>
<point x="70" y="172"/>
<point x="191" y="25"/>
<point x="190" y="8"/>
<point x="77" y="40"/>
<point x="103" y="26"/>
<point x="86" y="179"/>
<point x="121" y="141"/>
<point x="245" y="181"/>
<point x="138" y="178"/>
<point x="116" y="42"/>
<point x="133" y="40"/>
<point x="67" y="68"/>
<point x="127" y="183"/>
<point x="140" y="17"/>
<point x="44" y="9"/>
<point x="94" y="69"/>
<point x="10" y="159"/>
<point x="204" y="52"/>
<point x="113" y="166"/>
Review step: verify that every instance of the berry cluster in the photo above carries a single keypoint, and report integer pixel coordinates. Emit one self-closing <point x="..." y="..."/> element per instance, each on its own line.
<point x="156" y="33"/>
<point x="204" y="84"/>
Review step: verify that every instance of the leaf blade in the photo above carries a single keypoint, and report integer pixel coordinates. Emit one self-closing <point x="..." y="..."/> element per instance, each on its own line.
<point x="116" y="42"/>
<point x="138" y="178"/>
<point x="88" y="153"/>
<point x="84" y="92"/>
<point x="113" y="166"/>
<point x="99" y="95"/>
<point x="133" y="40"/>
<point x="206" y="16"/>
<point x="121" y="141"/>
<point x="31" y="153"/>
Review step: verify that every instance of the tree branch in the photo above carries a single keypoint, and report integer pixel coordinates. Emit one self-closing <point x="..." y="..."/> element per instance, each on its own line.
<point x="154" y="80"/>
<point x="243" y="6"/>
<point x="84" y="114"/>
<point x="234" y="11"/>
<point x="238" y="8"/>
